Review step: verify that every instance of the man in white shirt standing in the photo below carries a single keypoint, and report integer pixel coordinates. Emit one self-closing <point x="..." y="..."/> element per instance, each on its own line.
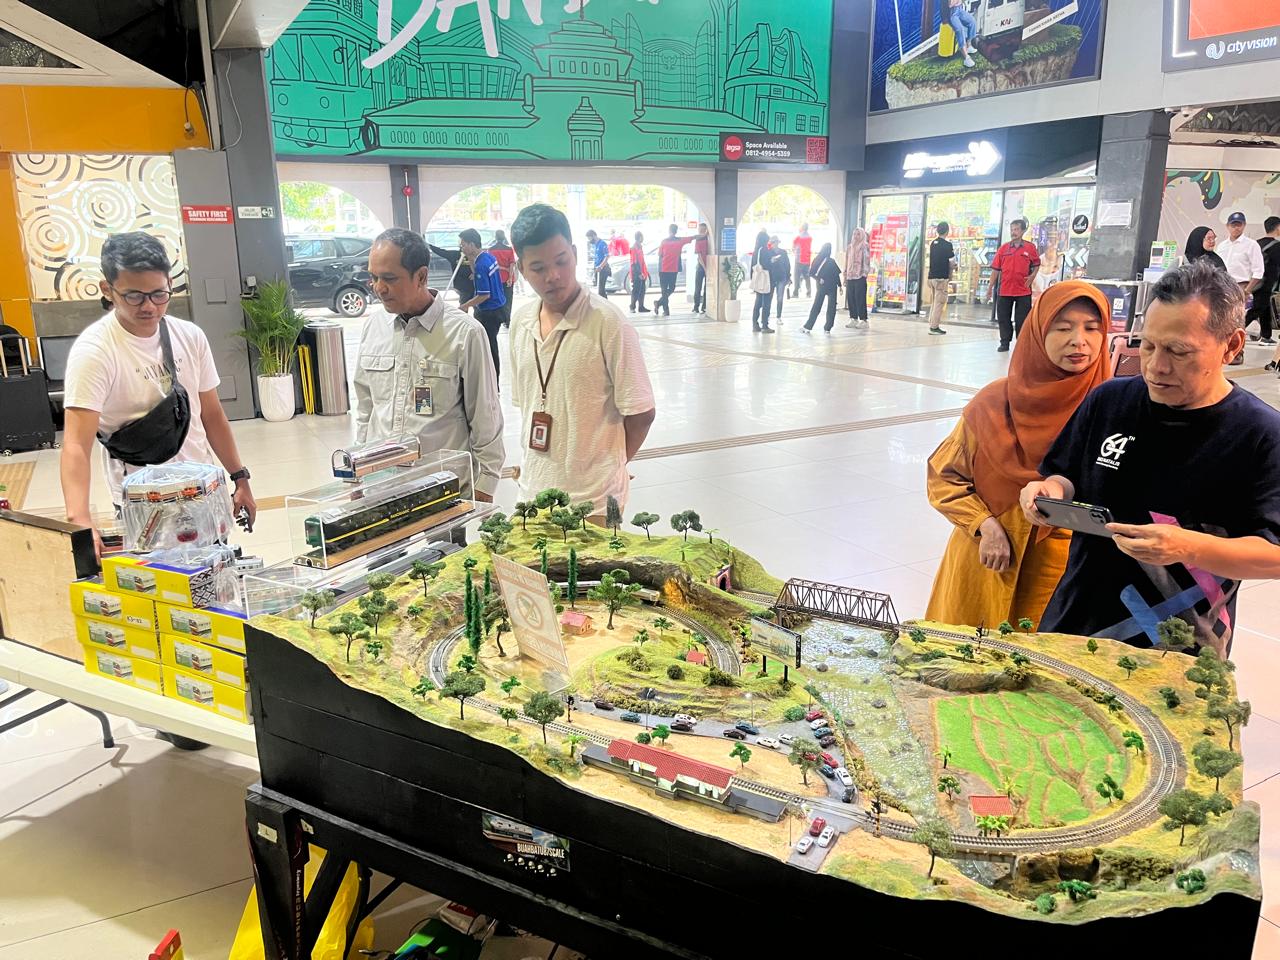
<point x="117" y="373"/>
<point x="577" y="372"/>
<point x="424" y="366"/>
<point x="1241" y="254"/>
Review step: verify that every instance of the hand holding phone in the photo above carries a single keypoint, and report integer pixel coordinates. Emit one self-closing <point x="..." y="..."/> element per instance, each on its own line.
<point x="1079" y="517"/>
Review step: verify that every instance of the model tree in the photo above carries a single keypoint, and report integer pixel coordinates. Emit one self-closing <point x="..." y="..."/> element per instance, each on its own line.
<point x="1026" y="625"/>
<point x="494" y="530"/>
<point x="495" y="615"/>
<point x="351" y="627"/>
<point x="423" y="687"/>
<point x="470" y="564"/>
<point x="526" y="510"/>
<point x="645" y="521"/>
<point x="471" y="616"/>
<point x="1046" y="904"/>
<point x="542" y="708"/>
<point x="935" y="835"/>
<point x="571" y="586"/>
<point x="551" y="497"/>
<point x="944" y="754"/>
<point x="949" y="785"/>
<point x="661" y="732"/>
<point x="1175" y="634"/>
<point x="675" y="671"/>
<point x="612" y="514"/>
<point x="991" y="824"/>
<point x="1232" y="713"/>
<point x="1005" y="628"/>
<point x="662" y="625"/>
<point x="966" y="651"/>
<point x="1133" y="741"/>
<point x="641" y="637"/>
<point x="1191" y="881"/>
<point x="380" y="581"/>
<point x="805" y="754"/>
<point x="1172" y="699"/>
<point x="1211" y="674"/>
<point x="1108" y="789"/>
<point x="918" y="636"/>
<point x="644" y="737"/>
<point x="615" y="591"/>
<point x="374" y="606"/>
<point x="1091" y="645"/>
<point x="373" y="647"/>
<point x="1214" y="761"/>
<point x="461" y="685"/>
<point x="426" y="572"/>
<point x="488" y="581"/>
<point x="572" y="740"/>
<point x="686" y="520"/>
<point x="566" y="520"/>
<point x="510" y="684"/>
<point x="1018" y="670"/>
<point x="467" y="663"/>
<point x="583" y="510"/>
<point x="313" y="601"/>
<point x="1078" y="890"/>
<point x="1182" y="809"/>
<point x="617" y="545"/>
<point x="1128" y="665"/>
<point x="414" y="610"/>
<point x="742" y="753"/>
<point x="508" y="714"/>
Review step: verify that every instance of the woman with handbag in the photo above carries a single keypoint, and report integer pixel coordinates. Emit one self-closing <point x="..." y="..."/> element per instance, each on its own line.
<point x="761" y="283"/>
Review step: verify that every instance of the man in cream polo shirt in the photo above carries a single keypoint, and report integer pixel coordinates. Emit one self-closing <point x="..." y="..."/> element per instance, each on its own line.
<point x="577" y="373"/>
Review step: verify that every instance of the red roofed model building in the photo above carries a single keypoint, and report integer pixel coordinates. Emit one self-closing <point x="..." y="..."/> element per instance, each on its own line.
<point x="673" y="773"/>
<point x="696" y="656"/>
<point x="571" y="621"/>
<point x="997" y="806"/>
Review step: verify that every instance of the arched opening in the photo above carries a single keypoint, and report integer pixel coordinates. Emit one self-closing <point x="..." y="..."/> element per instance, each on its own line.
<point x="312" y="207"/>
<point x="782" y="210"/>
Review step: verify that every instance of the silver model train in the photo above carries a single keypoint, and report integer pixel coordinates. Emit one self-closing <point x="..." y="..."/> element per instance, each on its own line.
<point x="360" y="461"/>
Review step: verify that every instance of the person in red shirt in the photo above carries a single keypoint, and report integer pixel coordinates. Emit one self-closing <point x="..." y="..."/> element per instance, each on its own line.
<point x="639" y="274"/>
<point x="802" y="246"/>
<point x="1018" y="260"/>
<point x="506" y="258"/>
<point x="618" y="246"/>
<point x="669" y="267"/>
<point x="702" y="249"/>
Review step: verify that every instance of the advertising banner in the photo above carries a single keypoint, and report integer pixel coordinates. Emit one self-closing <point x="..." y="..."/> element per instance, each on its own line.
<point x="529" y="847"/>
<point x="1205" y="198"/>
<point x="1208" y="33"/>
<point x="777" y="640"/>
<point x="931" y="51"/>
<point x="527" y="595"/>
<point x="599" y="80"/>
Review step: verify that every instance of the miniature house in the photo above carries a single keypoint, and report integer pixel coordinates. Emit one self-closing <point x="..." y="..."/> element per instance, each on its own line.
<point x="696" y="656"/>
<point x="575" y="623"/>
<point x="997" y="806"/>
<point x="671" y="773"/>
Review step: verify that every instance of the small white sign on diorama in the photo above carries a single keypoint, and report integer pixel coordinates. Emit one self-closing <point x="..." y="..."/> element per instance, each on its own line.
<point x="527" y="595"/>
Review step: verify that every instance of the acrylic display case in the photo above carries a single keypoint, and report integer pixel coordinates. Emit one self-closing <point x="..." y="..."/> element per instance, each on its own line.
<point x="175" y="506"/>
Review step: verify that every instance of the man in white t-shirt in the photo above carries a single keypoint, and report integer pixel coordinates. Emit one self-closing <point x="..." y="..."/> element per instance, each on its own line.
<point x="116" y="373"/>
<point x="1241" y="254"/>
<point x="577" y="373"/>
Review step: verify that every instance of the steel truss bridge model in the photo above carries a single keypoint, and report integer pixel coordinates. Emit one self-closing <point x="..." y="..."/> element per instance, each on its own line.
<point x="806" y="599"/>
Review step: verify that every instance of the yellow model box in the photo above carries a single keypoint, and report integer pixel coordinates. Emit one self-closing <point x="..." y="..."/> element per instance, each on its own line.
<point x="136" y="672"/>
<point x="219" y="698"/>
<point x="125" y="573"/>
<point x="211" y="662"/>
<point x="118" y="639"/>
<point x="221" y="628"/>
<point x="89" y="598"/>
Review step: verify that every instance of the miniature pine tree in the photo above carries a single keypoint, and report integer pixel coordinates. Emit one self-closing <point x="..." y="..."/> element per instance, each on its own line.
<point x="612" y="514"/>
<point x="572" y="585"/>
<point x="488" y="581"/>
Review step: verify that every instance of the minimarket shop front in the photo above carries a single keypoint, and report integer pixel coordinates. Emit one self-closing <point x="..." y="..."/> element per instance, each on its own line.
<point x="977" y="183"/>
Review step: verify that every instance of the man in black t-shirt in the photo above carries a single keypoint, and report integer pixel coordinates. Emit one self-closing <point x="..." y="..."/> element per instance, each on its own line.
<point x="1262" y="309"/>
<point x="1187" y="463"/>
<point x="942" y="258"/>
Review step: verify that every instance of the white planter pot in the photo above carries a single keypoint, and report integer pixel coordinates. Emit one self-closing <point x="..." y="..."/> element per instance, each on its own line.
<point x="275" y="396"/>
<point x="732" y="311"/>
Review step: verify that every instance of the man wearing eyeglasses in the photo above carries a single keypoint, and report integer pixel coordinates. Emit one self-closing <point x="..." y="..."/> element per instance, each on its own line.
<point x="117" y="373"/>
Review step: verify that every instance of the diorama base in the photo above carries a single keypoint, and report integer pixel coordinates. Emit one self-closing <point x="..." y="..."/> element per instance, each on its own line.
<point x="377" y="784"/>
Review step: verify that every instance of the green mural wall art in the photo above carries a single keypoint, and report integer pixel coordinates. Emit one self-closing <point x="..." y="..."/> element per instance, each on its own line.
<point x="636" y="81"/>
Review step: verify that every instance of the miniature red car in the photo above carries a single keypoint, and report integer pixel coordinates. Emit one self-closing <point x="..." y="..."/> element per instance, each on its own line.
<point x="829" y="759"/>
<point x="817" y="826"/>
<point x="812" y="716"/>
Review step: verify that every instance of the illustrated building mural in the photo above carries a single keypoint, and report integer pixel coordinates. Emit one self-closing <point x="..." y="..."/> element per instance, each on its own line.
<point x="658" y="84"/>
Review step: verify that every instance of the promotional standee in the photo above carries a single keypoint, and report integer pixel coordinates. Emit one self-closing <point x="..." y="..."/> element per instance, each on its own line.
<point x="553" y="722"/>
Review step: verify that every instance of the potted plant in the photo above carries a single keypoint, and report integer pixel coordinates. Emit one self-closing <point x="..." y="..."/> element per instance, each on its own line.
<point x="734" y="275"/>
<point x="272" y="327"/>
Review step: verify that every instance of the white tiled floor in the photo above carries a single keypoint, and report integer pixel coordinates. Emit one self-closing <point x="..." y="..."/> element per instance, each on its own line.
<point x="114" y="847"/>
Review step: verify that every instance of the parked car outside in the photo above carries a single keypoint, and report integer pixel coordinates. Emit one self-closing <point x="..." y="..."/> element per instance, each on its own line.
<point x="786" y="739"/>
<point x="828" y="741"/>
<point x="822" y="732"/>
<point x="686" y="718"/>
<point x="827" y="771"/>
<point x="682" y="727"/>
<point x="804" y="844"/>
<point x="734" y="734"/>
<point x="826" y="837"/>
<point x="603" y="705"/>
<point x="630" y="717"/>
<point x="817" y="722"/>
<point x="817" y="826"/>
<point x="848" y="795"/>
<point x="845" y="778"/>
<point x="813" y="715"/>
<point x="332" y="272"/>
<point x="830" y="760"/>
<point x="746" y="727"/>
<point x="768" y="742"/>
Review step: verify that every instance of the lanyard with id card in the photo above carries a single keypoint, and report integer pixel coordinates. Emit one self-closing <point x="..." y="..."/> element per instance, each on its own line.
<point x="540" y="422"/>
<point x="422" y="404"/>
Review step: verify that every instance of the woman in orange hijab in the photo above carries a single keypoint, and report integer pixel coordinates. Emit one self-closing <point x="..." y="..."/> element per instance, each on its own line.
<point x="997" y="567"/>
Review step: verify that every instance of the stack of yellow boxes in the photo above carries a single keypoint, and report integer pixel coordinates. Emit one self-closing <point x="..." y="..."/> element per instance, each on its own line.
<point x="142" y="626"/>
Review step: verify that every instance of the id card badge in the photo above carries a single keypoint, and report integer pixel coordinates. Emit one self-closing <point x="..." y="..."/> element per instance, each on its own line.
<point x="540" y="432"/>
<point x="422" y="401"/>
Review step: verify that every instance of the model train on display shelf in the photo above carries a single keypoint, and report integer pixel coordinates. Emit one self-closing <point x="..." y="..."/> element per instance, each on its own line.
<point x="359" y="521"/>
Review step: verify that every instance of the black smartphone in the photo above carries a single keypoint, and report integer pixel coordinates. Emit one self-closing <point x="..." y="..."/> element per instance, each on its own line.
<point x="1080" y="517"/>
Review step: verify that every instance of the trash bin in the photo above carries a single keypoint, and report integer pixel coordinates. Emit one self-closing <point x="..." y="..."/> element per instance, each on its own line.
<point x="328" y="367"/>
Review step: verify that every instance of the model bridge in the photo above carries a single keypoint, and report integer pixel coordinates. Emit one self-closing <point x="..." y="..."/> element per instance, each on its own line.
<point x="808" y="599"/>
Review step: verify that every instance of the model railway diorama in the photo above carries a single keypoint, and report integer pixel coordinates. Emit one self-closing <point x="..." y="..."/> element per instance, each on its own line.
<point x="762" y="753"/>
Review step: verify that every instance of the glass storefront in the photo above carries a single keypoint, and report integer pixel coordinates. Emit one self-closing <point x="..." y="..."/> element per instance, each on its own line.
<point x="901" y="225"/>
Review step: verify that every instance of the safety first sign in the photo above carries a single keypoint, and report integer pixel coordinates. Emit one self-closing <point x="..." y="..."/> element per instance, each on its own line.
<point x="202" y="214"/>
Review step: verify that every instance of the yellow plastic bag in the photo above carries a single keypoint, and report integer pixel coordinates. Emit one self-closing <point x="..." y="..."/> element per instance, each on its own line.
<point x="248" y="943"/>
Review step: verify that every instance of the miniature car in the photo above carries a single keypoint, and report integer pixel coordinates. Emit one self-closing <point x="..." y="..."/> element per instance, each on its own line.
<point x="630" y="717"/>
<point x="734" y="734"/>
<point x="825" y="838"/>
<point x="769" y="742"/>
<point x="603" y="705"/>
<point x="804" y="844"/>
<point x="827" y="771"/>
<point x="848" y="795"/>
<point x="844" y="776"/>
<point x="815" y="724"/>
<point x="817" y="826"/>
<point x="786" y="739"/>
<point x="813" y="715"/>
<point x="822" y="732"/>
<point x="746" y="727"/>
<point x="827" y="741"/>
<point x="685" y="718"/>
<point x="829" y="760"/>
<point x="682" y="727"/>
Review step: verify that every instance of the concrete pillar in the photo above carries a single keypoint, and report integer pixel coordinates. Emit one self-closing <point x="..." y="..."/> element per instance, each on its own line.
<point x="1131" y="165"/>
<point x="725" y="216"/>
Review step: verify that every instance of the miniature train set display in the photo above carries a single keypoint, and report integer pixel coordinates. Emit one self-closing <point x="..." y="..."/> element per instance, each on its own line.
<point x="665" y="711"/>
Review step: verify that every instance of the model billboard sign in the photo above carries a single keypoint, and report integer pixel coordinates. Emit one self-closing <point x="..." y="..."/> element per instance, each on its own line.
<point x="1211" y="33"/>
<point x="930" y="51"/>
<point x="776" y="639"/>
<point x="587" y="80"/>
<point x="527" y="595"/>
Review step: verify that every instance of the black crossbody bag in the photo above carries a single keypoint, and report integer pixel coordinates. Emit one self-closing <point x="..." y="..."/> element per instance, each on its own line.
<point x="158" y="435"/>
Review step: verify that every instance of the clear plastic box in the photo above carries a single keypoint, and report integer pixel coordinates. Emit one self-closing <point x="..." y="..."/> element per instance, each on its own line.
<point x="345" y="521"/>
<point x="175" y="505"/>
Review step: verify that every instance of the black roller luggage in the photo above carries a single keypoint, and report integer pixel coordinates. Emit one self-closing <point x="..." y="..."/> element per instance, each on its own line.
<point x="26" y="419"/>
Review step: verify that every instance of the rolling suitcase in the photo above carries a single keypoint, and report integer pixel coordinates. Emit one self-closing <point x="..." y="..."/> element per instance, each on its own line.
<point x="26" y="418"/>
<point x="1124" y="352"/>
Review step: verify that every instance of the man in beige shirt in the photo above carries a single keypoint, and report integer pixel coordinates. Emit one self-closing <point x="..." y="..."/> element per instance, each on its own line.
<point x="577" y="372"/>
